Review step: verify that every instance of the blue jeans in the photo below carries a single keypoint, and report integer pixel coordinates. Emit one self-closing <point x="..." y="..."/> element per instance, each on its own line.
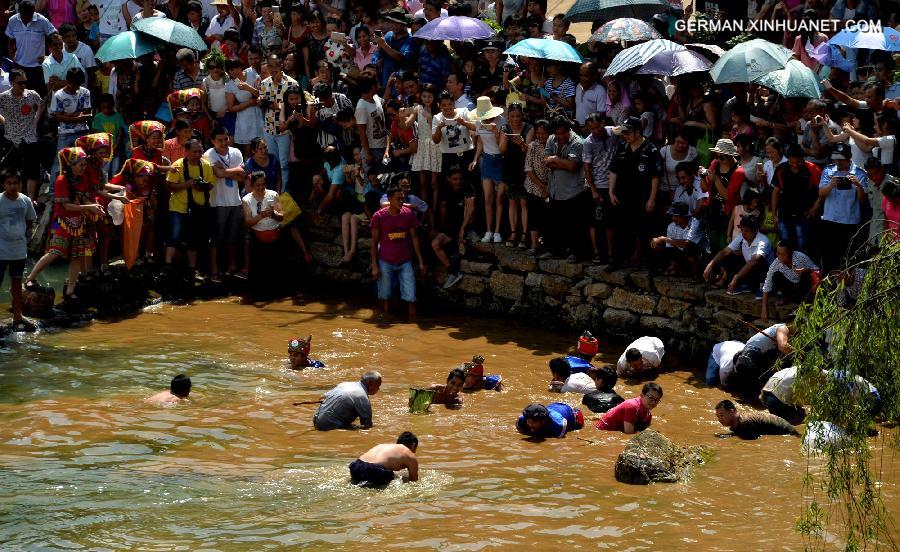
<point x="280" y="147"/>
<point x="712" y="371"/>
<point x="403" y="273"/>
<point x="794" y="230"/>
<point x="63" y="141"/>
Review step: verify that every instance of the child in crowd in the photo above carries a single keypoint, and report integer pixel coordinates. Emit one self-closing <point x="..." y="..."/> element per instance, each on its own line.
<point x="110" y="121"/>
<point x="16" y="218"/>
<point x="749" y="206"/>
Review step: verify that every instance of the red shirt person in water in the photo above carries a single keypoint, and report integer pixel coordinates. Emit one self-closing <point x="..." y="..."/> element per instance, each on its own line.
<point x="634" y="414"/>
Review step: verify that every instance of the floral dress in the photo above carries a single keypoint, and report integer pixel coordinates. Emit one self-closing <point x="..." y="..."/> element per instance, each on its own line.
<point x="534" y="161"/>
<point x="428" y="154"/>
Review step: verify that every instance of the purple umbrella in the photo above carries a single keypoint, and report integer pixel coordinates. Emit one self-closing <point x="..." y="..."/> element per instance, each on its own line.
<point x="456" y="27"/>
<point x="675" y="62"/>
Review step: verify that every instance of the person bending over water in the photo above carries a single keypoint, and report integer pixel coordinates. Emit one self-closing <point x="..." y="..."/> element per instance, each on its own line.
<point x="751" y="425"/>
<point x="634" y="414"/>
<point x="449" y="393"/>
<point x="178" y="391"/>
<point x="553" y="420"/>
<point x="298" y="354"/>
<point x="605" y="397"/>
<point x="376" y="467"/>
<point x="347" y="401"/>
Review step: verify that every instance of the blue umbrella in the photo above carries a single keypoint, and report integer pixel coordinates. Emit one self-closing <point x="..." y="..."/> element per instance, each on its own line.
<point x="128" y="45"/>
<point x="457" y="28"/>
<point x="544" y="48"/>
<point x="863" y="36"/>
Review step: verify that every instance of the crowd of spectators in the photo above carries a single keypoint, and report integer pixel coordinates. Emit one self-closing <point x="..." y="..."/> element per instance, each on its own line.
<point x="335" y="104"/>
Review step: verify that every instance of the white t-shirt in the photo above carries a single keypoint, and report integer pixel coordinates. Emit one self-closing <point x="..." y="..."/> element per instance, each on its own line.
<point x="111" y="19"/>
<point x="85" y="55"/>
<point x="579" y="383"/>
<point x="371" y="114"/>
<point x="723" y="355"/>
<point x="760" y="246"/>
<point x="670" y="182"/>
<point x="692" y="232"/>
<point x="781" y="385"/>
<point x="455" y="137"/>
<point x="215" y="92"/>
<point x="256" y="206"/>
<point x="227" y="191"/>
<point x="885" y="149"/>
<point x="652" y="352"/>
<point x="488" y="139"/>
<point x="692" y="198"/>
<point x="764" y="341"/>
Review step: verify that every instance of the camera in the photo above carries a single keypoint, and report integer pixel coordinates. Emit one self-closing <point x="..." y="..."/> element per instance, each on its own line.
<point x="202" y="185"/>
<point x="298" y="109"/>
<point x="843" y="183"/>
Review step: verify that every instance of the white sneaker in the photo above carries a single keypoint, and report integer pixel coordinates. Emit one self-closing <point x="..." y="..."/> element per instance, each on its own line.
<point x="452" y="280"/>
<point x="488" y="236"/>
<point x="498" y="238"/>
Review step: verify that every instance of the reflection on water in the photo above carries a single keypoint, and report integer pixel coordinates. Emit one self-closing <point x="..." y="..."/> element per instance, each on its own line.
<point x="87" y="464"/>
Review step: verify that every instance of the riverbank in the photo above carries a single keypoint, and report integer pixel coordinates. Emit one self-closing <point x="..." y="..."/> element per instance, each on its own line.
<point x="687" y="315"/>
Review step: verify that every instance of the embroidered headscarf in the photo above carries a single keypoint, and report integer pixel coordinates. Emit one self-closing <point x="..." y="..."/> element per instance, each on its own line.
<point x="180" y="98"/>
<point x="300" y="345"/>
<point x="70" y="156"/>
<point x="141" y="131"/>
<point x="131" y="169"/>
<point x="90" y="143"/>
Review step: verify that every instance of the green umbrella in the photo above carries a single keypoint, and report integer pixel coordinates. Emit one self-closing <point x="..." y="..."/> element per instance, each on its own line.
<point x="170" y="31"/>
<point x="589" y="10"/>
<point x="749" y="61"/>
<point x="128" y="45"/>
<point x="794" y="81"/>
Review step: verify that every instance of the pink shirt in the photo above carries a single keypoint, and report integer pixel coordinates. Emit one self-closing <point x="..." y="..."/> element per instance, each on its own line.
<point x="891" y="210"/>
<point x="361" y="59"/>
<point x="393" y="239"/>
<point x="631" y="411"/>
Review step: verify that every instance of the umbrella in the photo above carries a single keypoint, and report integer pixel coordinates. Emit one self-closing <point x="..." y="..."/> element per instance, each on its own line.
<point x="863" y="36"/>
<point x="544" y="48"/>
<point x="749" y="60"/>
<point x="170" y="31"/>
<point x="675" y="62"/>
<point x="589" y="10"/>
<point x="794" y="81"/>
<point x="455" y="27"/>
<point x="629" y="58"/>
<point x="713" y="49"/>
<point x="128" y="45"/>
<point x="624" y="29"/>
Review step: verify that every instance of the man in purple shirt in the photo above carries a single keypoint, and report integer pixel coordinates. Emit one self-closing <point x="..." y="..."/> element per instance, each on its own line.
<point x="393" y="230"/>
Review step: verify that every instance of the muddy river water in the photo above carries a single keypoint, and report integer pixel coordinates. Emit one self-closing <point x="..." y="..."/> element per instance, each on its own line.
<point x="86" y="464"/>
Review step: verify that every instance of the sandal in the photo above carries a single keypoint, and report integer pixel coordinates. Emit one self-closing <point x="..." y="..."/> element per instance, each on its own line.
<point x="32" y="285"/>
<point x="216" y="278"/>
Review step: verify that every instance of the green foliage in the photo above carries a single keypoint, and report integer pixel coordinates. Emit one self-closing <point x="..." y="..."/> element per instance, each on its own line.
<point x="842" y="485"/>
<point x="215" y="54"/>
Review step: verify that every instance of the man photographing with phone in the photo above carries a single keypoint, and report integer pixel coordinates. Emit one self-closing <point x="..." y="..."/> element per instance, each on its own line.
<point x="842" y="187"/>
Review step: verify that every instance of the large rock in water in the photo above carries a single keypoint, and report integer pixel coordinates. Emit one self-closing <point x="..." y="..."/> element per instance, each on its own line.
<point x="650" y="457"/>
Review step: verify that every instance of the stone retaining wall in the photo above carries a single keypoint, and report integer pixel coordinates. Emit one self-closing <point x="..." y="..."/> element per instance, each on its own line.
<point x="688" y="315"/>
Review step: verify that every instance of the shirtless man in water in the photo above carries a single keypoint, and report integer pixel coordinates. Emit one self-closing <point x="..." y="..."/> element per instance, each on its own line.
<point x="449" y="394"/>
<point x="178" y="391"/>
<point x="377" y="466"/>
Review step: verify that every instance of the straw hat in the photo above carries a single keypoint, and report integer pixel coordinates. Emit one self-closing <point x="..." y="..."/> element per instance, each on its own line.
<point x="219" y="3"/>
<point x="725" y="147"/>
<point x="484" y="110"/>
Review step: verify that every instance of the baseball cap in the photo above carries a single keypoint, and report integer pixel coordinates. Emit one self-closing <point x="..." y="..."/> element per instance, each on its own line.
<point x="840" y="151"/>
<point x="631" y="123"/>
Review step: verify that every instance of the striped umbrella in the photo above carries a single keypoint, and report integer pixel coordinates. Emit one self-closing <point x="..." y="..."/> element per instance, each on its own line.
<point x="589" y="10"/>
<point x="629" y="58"/>
<point x="624" y="29"/>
